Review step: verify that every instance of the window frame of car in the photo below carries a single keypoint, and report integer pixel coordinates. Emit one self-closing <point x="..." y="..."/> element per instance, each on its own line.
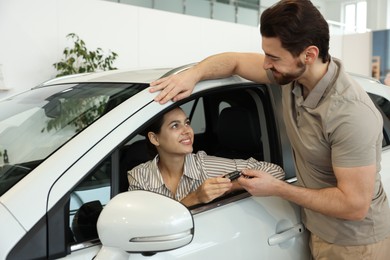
<point x="56" y="214"/>
<point x="268" y="101"/>
<point x="383" y="105"/>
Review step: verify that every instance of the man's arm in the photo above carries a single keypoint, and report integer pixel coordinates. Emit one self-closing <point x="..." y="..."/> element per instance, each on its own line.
<point x="350" y="199"/>
<point x="179" y="86"/>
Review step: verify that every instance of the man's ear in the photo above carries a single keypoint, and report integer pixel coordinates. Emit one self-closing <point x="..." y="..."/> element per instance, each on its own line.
<point x="311" y="54"/>
<point x="153" y="138"/>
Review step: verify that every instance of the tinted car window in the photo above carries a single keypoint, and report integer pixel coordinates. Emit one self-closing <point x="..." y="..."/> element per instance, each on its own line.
<point x="195" y="111"/>
<point x="384" y="105"/>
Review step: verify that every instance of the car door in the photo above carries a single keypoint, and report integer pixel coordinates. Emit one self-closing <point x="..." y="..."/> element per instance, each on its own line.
<point x="243" y="226"/>
<point x="237" y="226"/>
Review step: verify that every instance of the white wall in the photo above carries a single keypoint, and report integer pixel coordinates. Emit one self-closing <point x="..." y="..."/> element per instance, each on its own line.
<point x="376" y="14"/>
<point x="33" y="36"/>
<point x="388" y="16"/>
<point x="357" y="53"/>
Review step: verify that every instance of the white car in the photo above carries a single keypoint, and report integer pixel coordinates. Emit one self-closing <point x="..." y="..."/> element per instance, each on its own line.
<point x="66" y="147"/>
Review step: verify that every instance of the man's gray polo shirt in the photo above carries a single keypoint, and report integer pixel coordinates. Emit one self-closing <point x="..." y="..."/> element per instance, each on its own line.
<point x="336" y="125"/>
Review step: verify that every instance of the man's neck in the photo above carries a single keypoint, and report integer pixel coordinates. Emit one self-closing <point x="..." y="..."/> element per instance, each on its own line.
<point x="312" y="76"/>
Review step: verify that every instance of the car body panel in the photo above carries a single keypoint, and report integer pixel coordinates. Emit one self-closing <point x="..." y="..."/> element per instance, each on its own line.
<point x="85" y="253"/>
<point x="230" y="236"/>
<point x="114" y="76"/>
<point x="10" y="233"/>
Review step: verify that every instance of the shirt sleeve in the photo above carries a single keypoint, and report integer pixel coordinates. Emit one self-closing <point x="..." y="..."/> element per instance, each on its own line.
<point x="267" y="167"/>
<point x="354" y="135"/>
<point x="218" y="166"/>
<point x="141" y="177"/>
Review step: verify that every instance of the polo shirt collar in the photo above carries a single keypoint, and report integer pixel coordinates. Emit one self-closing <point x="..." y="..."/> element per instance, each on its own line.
<point x="318" y="91"/>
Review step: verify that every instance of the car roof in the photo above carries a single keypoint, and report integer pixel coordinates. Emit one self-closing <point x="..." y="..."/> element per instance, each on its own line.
<point x="372" y="85"/>
<point x="116" y="76"/>
<point x="148" y="75"/>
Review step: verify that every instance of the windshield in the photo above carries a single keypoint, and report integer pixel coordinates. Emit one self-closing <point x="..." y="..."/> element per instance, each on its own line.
<point x="36" y="123"/>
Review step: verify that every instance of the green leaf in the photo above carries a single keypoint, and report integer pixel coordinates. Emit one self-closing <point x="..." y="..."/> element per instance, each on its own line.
<point x="79" y="59"/>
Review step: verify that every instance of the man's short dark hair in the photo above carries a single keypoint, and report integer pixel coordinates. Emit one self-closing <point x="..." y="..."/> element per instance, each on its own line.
<point x="298" y="24"/>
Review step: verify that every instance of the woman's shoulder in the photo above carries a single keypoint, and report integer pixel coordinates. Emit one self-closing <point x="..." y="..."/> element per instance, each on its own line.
<point x="200" y="153"/>
<point x="198" y="156"/>
<point x="141" y="168"/>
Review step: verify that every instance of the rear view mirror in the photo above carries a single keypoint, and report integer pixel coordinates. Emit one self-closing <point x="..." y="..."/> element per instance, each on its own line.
<point x="142" y="222"/>
<point x="53" y="108"/>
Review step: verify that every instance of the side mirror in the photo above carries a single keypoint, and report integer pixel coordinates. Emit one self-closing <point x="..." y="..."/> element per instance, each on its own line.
<point x="143" y="222"/>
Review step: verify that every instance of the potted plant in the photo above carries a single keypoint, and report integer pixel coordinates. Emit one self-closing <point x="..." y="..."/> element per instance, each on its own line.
<point x="78" y="59"/>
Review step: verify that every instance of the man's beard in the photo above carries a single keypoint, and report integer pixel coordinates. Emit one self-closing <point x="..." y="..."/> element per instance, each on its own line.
<point x="286" y="78"/>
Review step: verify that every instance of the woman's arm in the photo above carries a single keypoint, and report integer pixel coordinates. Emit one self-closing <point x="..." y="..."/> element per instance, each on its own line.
<point x="209" y="190"/>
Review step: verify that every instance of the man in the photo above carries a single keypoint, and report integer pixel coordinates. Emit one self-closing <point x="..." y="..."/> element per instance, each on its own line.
<point x="333" y="126"/>
<point x="387" y="79"/>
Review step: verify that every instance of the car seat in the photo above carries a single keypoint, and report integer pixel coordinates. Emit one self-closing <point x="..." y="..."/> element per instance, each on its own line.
<point x="239" y="134"/>
<point x="131" y="156"/>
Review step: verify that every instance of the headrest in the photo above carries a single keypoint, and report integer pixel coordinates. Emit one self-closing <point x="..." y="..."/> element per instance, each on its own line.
<point x="238" y="129"/>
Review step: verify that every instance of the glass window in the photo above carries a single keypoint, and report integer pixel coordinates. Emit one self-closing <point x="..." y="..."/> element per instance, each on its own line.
<point x="36" y="123"/>
<point x="87" y="201"/>
<point x="361" y="13"/>
<point x="355" y="16"/>
<point x="384" y="105"/>
<point x="195" y="110"/>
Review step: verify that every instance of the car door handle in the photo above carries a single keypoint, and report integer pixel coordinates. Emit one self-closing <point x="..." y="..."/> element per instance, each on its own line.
<point x="286" y="235"/>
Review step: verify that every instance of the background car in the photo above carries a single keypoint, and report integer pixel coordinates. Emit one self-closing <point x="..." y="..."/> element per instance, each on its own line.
<point x="71" y="141"/>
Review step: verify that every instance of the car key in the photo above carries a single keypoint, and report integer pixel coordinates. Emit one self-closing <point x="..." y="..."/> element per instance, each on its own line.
<point x="232" y="175"/>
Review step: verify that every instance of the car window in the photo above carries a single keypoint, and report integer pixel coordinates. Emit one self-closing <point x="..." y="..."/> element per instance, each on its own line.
<point x="86" y="202"/>
<point x="223" y="105"/>
<point x="71" y="223"/>
<point x="195" y="111"/>
<point x="205" y="112"/>
<point x="43" y="119"/>
<point x="384" y="105"/>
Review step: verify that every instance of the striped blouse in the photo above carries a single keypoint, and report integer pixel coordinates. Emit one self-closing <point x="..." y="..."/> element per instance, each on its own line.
<point x="197" y="168"/>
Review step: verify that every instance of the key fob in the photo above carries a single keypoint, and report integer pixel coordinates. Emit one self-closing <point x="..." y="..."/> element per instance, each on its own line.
<point x="232" y="175"/>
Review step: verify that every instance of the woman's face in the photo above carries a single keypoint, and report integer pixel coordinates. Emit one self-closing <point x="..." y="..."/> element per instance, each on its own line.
<point x="176" y="135"/>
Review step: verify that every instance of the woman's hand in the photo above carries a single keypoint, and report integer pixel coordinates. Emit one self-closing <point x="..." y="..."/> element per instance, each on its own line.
<point x="209" y="190"/>
<point x="213" y="188"/>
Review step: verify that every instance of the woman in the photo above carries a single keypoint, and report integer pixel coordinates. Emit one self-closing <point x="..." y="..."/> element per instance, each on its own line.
<point x="178" y="173"/>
